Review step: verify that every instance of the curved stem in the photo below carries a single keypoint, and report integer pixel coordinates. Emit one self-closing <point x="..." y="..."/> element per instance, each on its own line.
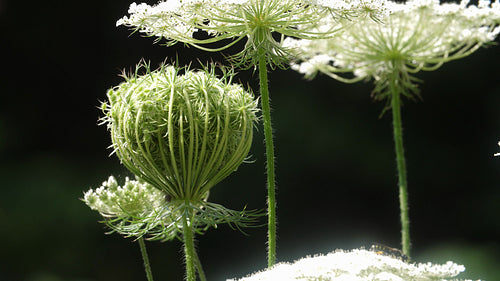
<point x="189" y="252"/>
<point x="145" y="258"/>
<point x="401" y="164"/>
<point x="268" y="134"/>
<point x="199" y="268"/>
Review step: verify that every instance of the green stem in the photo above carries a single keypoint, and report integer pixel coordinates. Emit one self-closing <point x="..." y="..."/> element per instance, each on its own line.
<point x="401" y="165"/>
<point x="145" y="258"/>
<point x="189" y="252"/>
<point x="268" y="134"/>
<point x="199" y="268"/>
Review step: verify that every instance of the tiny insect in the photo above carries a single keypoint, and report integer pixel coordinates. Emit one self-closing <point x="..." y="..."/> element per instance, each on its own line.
<point x="168" y="198"/>
<point x="381" y="249"/>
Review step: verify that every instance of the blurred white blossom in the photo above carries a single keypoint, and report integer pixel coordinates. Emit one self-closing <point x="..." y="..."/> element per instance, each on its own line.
<point x="416" y="35"/>
<point x="356" y="265"/>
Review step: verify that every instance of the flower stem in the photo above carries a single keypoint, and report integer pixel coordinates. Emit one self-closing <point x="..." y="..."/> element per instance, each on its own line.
<point x="268" y="134"/>
<point x="199" y="268"/>
<point x="401" y="165"/>
<point x="189" y="251"/>
<point x="145" y="258"/>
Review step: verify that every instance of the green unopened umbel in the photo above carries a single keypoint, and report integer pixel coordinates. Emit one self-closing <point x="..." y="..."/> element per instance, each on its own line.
<point x="180" y="133"/>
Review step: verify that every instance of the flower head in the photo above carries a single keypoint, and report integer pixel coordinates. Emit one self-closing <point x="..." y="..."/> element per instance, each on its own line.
<point x="260" y="21"/>
<point x="357" y="265"/>
<point x="138" y="209"/>
<point x="134" y="209"/>
<point x="416" y="35"/>
<point x="134" y="198"/>
<point x="180" y="133"/>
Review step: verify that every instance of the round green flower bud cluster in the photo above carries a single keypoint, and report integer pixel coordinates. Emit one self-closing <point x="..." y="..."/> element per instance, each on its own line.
<point x="181" y="133"/>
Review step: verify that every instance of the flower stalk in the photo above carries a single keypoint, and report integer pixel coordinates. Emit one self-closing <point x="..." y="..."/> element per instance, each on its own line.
<point x="145" y="258"/>
<point x="189" y="251"/>
<point x="268" y="135"/>
<point x="199" y="268"/>
<point x="401" y="164"/>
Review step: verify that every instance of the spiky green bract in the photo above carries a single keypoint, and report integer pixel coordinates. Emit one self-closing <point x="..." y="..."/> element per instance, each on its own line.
<point x="201" y="217"/>
<point x="262" y="22"/>
<point x="180" y="133"/>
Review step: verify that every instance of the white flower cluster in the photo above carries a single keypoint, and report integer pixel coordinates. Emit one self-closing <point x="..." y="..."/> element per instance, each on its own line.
<point x="422" y="34"/>
<point x="166" y="19"/>
<point x="177" y="20"/>
<point x="356" y="265"/>
<point x="134" y="198"/>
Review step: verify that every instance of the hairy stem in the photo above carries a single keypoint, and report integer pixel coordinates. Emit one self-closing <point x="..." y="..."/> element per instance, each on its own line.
<point x="189" y="251"/>
<point x="145" y="258"/>
<point x="268" y="134"/>
<point x="401" y="164"/>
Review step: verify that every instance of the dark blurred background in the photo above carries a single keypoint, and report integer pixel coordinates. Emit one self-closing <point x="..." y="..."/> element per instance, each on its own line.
<point x="335" y="162"/>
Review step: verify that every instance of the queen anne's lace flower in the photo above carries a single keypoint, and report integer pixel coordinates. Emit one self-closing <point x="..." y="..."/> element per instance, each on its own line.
<point x="256" y="20"/>
<point x="134" y="209"/>
<point x="417" y="35"/>
<point x="357" y="265"/>
<point x="134" y="198"/>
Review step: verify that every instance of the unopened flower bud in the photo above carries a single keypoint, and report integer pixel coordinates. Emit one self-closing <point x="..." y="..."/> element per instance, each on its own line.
<point x="181" y="133"/>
